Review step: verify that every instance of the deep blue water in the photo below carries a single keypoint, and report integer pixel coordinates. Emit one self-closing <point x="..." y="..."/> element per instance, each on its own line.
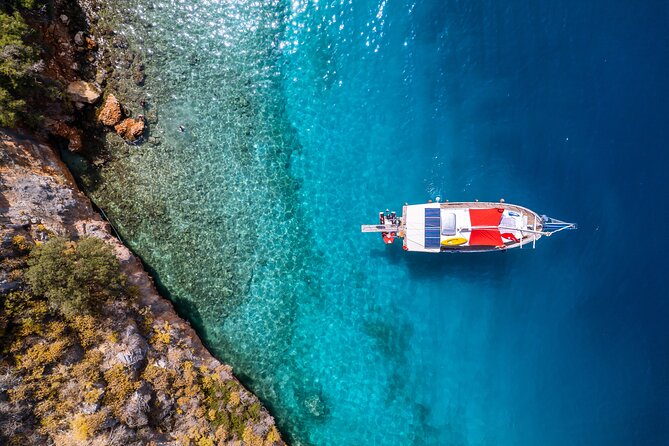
<point x="306" y="119"/>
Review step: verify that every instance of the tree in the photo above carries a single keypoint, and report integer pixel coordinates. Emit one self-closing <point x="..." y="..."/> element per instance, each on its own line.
<point x="75" y="277"/>
<point x="23" y="4"/>
<point x="18" y="64"/>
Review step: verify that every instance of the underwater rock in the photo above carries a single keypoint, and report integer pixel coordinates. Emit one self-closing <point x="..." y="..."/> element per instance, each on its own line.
<point x="90" y="43"/>
<point x="315" y="405"/>
<point x="101" y="76"/>
<point x="110" y="113"/>
<point x="130" y="129"/>
<point x="82" y="91"/>
<point x="138" y="75"/>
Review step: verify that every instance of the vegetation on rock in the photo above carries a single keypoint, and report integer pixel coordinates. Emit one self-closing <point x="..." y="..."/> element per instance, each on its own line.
<point x="19" y="60"/>
<point x="75" y="277"/>
<point x="83" y="363"/>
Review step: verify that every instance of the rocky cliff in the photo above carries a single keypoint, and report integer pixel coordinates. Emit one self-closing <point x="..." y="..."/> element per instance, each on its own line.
<point x="131" y="373"/>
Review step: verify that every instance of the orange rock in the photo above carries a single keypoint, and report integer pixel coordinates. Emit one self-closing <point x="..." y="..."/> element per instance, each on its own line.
<point x="73" y="135"/>
<point x="110" y="113"/>
<point x="131" y="129"/>
<point x="90" y="43"/>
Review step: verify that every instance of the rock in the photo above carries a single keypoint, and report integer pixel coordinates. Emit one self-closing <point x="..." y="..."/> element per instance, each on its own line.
<point x="120" y="42"/>
<point x="135" y="412"/>
<point x="90" y="43"/>
<point x="74" y="66"/>
<point x="138" y="75"/>
<point x="110" y="113"/>
<point x="7" y="287"/>
<point x="134" y="348"/>
<point x="315" y="405"/>
<point x="79" y="38"/>
<point x="81" y="91"/>
<point x="73" y="355"/>
<point x="161" y="407"/>
<point x="100" y="76"/>
<point x="131" y="129"/>
<point x="65" y="19"/>
<point x="88" y="408"/>
<point x="152" y="117"/>
<point x="63" y="130"/>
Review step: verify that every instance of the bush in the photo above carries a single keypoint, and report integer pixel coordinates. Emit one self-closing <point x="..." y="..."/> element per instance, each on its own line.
<point x="120" y="386"/>
<point x="21" y="243"/>
<point x="17" y="60"/>
<point x="26" y="313"/>
<point x="85" y="426"/>
<point x="75" y="276"/>
<point x="272" y="436"/>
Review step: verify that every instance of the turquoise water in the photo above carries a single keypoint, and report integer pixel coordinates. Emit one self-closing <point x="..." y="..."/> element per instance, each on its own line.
<point x="304" y="119"/>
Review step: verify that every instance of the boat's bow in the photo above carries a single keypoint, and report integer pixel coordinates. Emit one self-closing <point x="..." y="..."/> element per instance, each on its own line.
<point x="553" y="225"/>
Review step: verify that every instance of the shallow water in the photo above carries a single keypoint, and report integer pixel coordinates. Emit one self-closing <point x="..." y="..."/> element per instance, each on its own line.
<point x="304" y="119"/>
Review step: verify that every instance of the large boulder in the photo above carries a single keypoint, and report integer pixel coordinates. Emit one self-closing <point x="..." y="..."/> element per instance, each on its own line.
<point x="134" y="348"/>
<point x="82" y="91"/>
<point x="110" y="113"/>
<point x="130" y="129"/>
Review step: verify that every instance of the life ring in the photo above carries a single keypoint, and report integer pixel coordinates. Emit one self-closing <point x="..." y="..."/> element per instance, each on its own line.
<point x="454" y="241"/>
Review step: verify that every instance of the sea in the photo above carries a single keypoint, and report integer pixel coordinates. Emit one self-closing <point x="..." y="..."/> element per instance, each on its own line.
<point x="303" y="119"/>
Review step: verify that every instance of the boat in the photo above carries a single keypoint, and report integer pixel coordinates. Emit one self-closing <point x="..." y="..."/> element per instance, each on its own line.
<point x="437" y="226"/>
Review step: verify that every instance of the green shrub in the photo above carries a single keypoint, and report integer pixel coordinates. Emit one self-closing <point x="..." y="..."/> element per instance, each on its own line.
<point x="17" y="60"/>
<point x="26" y="313"/>
<point x="75" y="276"/>
<point x="10" y="108"/>
<point x="254" y="411"/>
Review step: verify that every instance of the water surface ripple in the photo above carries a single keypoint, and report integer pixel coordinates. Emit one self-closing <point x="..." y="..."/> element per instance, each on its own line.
<point x="303" y="119"/>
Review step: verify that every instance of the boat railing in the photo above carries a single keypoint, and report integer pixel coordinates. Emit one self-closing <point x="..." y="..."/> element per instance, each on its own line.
<point x="553" y="225"/>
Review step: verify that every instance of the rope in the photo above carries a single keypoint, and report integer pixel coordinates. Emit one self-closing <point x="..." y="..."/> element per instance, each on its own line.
<point x="569" y="226"/>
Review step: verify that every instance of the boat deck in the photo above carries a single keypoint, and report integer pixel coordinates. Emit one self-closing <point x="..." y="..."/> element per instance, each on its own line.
<point x="422" y="227"/>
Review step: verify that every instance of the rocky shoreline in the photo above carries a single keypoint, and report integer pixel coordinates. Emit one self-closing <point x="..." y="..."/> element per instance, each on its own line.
<point x="38" y="197"/>
<point x="98" y="77"/>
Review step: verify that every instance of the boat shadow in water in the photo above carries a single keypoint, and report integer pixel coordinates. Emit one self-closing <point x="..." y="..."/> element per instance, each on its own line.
<point x="492" y="266"/>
